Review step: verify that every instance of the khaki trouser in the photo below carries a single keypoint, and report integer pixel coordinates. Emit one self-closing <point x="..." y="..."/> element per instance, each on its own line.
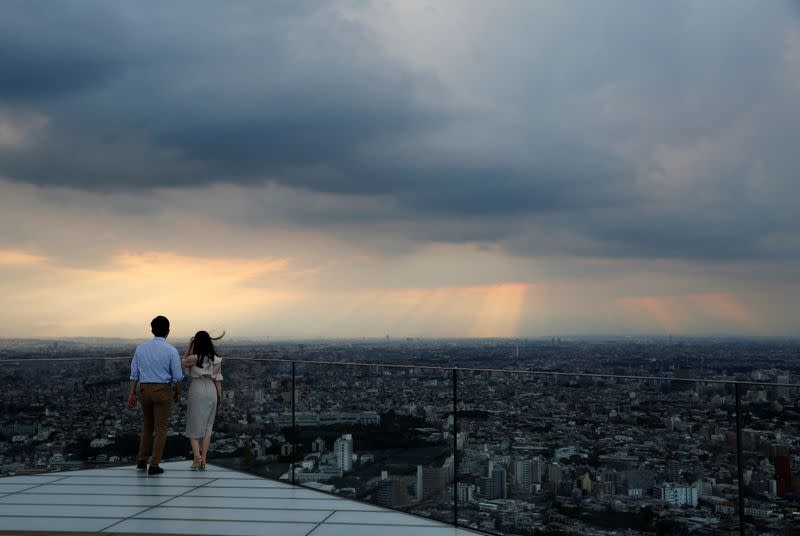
<point x="156" y="405"/>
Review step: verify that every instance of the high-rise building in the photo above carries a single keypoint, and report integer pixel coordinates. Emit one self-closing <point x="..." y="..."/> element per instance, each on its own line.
<point x="522" y="475"/>
<point x="673" y="471"/>
<point x="676" y="495"/>
<point x="495" y="485"/>
<point x="555" y="473"/>
<point x="318" y="445"/>
<point x="343" y="450"/>
<point x="783" y="474"/>
<point x="431" y="483"/>
<point x="466" y="493"/>
<point x="538" y="468"/>
<point x="782" y="391"/>
<point x="392" y="493"/>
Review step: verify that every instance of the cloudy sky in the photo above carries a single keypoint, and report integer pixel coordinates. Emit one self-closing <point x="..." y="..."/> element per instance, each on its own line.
<point x="404" y="167"/>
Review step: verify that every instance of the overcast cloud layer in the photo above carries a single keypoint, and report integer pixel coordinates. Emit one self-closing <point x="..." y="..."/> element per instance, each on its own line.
<point x="536" y="130"/>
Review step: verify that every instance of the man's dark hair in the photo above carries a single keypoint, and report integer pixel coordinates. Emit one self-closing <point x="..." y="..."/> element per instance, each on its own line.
<point x="159" y="326"/>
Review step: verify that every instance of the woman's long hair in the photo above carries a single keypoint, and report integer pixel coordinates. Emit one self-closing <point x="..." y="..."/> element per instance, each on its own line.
<point x="202" y="345"/>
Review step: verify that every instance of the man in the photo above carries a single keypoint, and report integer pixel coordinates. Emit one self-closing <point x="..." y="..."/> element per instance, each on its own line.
<point x="155" y="365"/>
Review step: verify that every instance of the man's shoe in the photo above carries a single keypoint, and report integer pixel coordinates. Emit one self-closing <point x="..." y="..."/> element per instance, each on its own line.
<point x="154" y="470"/>
<point x="141" y="465"/>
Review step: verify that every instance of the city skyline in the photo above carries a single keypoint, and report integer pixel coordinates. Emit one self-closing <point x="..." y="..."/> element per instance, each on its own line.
<point x="358" y="168"/>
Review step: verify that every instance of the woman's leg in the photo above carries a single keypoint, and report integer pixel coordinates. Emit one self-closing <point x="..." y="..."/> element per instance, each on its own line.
<point x="206" y="443"/>
<point x="195" y="447"/>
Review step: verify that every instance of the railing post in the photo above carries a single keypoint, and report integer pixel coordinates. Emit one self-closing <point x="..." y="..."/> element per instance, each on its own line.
<point x="294" y="427"/>
<point x="455" y="447"/>
<point x="739" y="463"/>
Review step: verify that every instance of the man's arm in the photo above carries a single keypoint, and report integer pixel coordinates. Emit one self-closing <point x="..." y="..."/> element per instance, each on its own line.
<point x="134" y="382"/>
<point x="176" y="373"/>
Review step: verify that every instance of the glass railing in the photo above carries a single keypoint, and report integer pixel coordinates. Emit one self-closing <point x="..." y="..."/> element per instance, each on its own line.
<point x="546" y="453"/>
<point x="497" y="451"/>
<point x="380" y="434"/>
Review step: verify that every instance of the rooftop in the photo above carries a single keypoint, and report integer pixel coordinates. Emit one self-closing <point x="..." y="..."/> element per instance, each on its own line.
<point x="122" y="500"/>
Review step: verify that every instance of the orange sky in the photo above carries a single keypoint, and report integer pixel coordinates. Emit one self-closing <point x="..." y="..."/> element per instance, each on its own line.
<point x="286" y="296"/>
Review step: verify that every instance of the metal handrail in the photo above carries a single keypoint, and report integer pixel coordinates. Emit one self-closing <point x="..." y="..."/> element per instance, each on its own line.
<point x="442" y="369"/>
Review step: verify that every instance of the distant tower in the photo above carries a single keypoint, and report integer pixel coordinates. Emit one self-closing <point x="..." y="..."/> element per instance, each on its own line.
<point x="783" y="474"/>
<point x="343" y="450"/>
<point x="391" y="493"/>
<point x="516" y="352"/>
<point x="431" y="483"/>
<point x="673" y="471"/>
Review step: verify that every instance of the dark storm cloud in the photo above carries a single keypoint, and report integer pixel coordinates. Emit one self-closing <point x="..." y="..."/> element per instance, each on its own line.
<point x="50" y="50"/>
<point x="293" y="95"/>
<point x="219" y="95"/>
<point x="561" y="153"/>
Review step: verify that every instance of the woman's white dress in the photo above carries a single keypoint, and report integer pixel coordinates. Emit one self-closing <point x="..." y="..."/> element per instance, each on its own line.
<point x="203" y="398"/>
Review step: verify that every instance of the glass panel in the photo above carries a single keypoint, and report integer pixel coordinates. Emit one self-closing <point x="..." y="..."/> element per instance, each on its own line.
<point x="253" y="430"/>
<point x="545" y="452"/>
<point x="771" y="456"/>
<point x="378" y="434"/>
<point x="58" y="414"/>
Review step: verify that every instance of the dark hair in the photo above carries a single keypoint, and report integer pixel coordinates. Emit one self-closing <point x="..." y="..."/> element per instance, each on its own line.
<point x="202" y="345"/>
<point x="159" y="326"/>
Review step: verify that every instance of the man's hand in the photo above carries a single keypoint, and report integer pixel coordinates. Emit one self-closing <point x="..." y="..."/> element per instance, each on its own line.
<point x="132" y="401"/>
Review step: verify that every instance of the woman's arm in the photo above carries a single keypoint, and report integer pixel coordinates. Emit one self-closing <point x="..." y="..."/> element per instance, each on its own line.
<point x="218" y="385"/>
<point x="189" y="360"/>
<point x="189" y="348"/>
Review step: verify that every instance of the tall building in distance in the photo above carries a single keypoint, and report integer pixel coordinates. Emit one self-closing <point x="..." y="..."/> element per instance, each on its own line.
<point x="676" y="495"/>
<point x="495" y="486"/>
<point x="673" y="471"/>
<point x="318" y="445"/>
<point x="343" y="450"/>
<point x="783" y="474"/>
<point x="392" y="493"/>
<point x="783" y="391"/>
<point x="431" y="483"/>
<point x="522" y="475"/>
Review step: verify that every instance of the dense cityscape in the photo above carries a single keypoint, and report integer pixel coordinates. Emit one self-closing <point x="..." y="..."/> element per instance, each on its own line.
<point x="546" y="449"/>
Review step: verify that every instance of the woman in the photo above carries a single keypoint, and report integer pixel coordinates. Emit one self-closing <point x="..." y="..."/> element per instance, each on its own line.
<point x="205" y="394"/>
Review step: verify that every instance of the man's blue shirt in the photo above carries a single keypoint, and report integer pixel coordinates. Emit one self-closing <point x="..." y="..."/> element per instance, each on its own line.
<point x="156" y="361"/>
